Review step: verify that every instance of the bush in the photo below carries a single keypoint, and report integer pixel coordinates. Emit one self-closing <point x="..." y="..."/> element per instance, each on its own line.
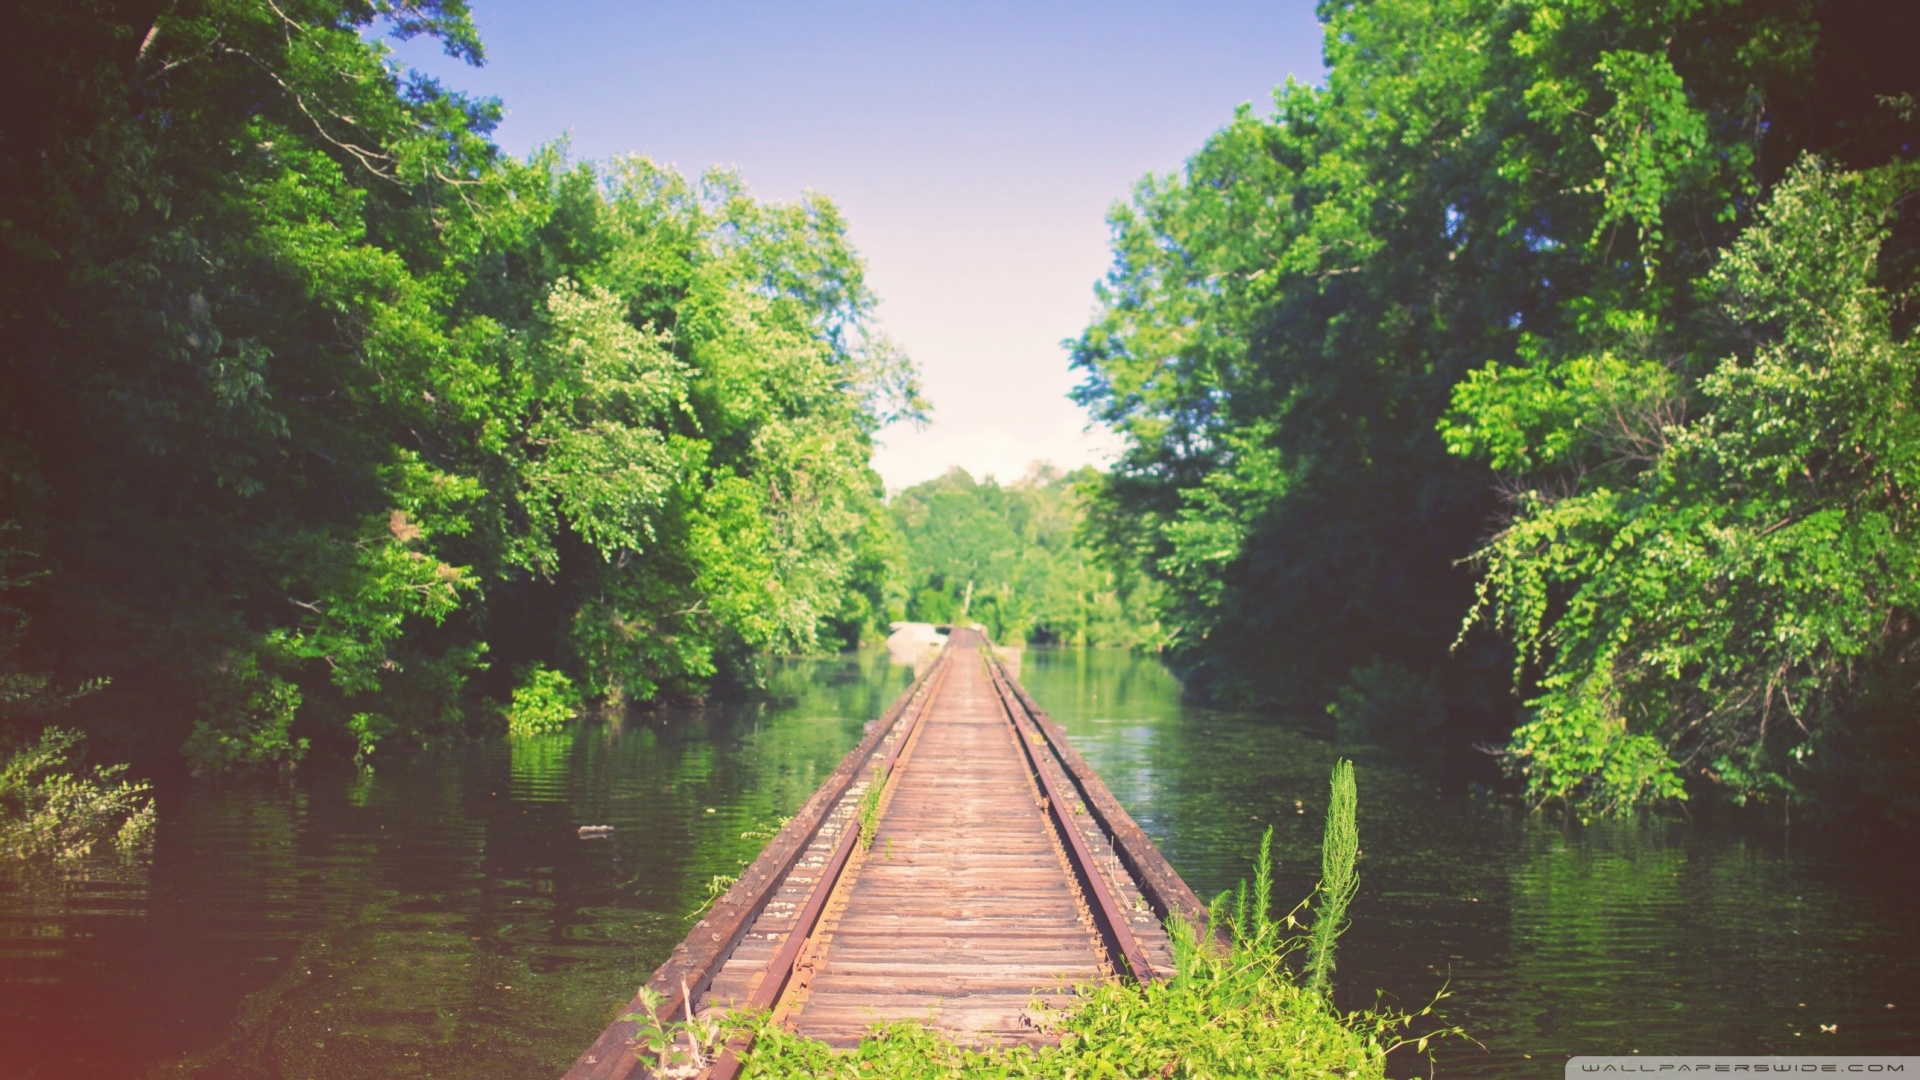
<point x="50" y="810"/>
<point x="368" y="729"/>
<point x="544" y="701"/>
<point x="244" y="722"/>
<point x="1384" y="698"/>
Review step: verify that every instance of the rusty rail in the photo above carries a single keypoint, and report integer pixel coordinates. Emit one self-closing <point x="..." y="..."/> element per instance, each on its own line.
<point x="696" y="959"/>
<point x="780" y="968"/>
<point x="1108" y="917"/>
<point x="1165" y="891"/>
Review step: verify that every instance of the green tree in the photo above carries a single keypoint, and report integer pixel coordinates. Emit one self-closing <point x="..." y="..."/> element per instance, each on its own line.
<point x="1022" y="555"/>
<point x="316" y="407"/>
<point x="1285" y="319"/>
<point x="1501" y="217"/>
<point x="1742" y="579"/>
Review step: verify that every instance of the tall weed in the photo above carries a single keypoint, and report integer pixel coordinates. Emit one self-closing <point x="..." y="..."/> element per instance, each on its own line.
<point x="1339" y="850"/>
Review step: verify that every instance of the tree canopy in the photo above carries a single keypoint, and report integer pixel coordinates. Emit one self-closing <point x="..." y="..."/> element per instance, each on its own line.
<point x="1514" y="308"/>
<point x="1017" y="560"/>
<point x="316" y="404"/>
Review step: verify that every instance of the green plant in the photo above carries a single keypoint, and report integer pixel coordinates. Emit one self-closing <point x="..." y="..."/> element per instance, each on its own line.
<point x="717" y="886"/>
<point x="868" y="810"/>
<point x="24" y="693"/>
<point x="766" y="832"/>
<point x="1339" y="850"/>
<point x="661" y="1039"/>
<point x="50" y="809"/>
<point x="367" y="730"/>
<point x="1381" y="697"/>
<point x="544" y="701"/>
<point x="1706" y="602"/>
<point x="245" y="721"/>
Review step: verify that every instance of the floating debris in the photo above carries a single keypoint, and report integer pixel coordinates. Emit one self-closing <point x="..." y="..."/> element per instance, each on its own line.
<point x="595" y="831"/>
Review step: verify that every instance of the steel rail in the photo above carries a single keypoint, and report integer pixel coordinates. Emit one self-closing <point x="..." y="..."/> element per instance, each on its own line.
<point x="693" y="963"/>
<point x="1108" y="916"/>
<point x="780" y="968"/>
<point x="1122" y="947"/>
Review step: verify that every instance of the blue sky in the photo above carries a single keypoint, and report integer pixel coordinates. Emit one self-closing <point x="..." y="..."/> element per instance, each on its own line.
<point x="974" y="148"/>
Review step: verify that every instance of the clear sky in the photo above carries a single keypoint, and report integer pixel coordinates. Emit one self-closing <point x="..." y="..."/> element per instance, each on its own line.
<point x="974" y="148"/>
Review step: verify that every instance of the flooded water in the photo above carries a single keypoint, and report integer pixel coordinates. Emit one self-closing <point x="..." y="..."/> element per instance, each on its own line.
<point x="440" y="917"/>
<point x="1654" y="936"/>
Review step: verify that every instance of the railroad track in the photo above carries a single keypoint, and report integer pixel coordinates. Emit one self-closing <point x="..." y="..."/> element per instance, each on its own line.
<point x="961" y="864"/>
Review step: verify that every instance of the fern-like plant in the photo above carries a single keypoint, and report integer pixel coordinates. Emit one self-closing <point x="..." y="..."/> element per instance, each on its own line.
<point x="1339" y="850"/>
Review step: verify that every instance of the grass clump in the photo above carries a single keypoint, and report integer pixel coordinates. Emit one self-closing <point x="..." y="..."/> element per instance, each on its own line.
<point x="868" y="810"/>
<point x="1232" y="1010"/>
<point x="544" y="701"/>
<point x="50" y="809"/>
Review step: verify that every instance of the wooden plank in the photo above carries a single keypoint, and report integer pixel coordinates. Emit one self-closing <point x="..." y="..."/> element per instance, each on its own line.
<point x="697" y="959"/>
<point x="940" y="973"/>
<point x="974" y="880"/>
<point x="976" y="1018"/>
<point x="984" y="948"/>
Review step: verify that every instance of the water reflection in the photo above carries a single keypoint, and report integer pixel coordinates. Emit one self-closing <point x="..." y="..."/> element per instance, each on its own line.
<point x="442" y="917"/>
<point x="1656" y="936"/>
<point x="439" y="917"/>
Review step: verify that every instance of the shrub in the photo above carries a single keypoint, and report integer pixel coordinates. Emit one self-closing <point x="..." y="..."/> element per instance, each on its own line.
<point x="1383" y="698"/>
<point x="51" y="810"/>
<point x="244" y="722"/>
<point x="544" y="701"/>
<point x="1339" y="850"/>
<point x="368" y="729"/>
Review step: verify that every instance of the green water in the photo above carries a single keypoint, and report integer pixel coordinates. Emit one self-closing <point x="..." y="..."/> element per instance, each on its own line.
<point x="440" y="917"/>
<point x="1654" y="936"/>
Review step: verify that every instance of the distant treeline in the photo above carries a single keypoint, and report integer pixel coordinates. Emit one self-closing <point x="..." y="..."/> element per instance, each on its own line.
<point x="1558" y="346"/>
<point x="314" y="406"/>
<point x="1018" y="561"/>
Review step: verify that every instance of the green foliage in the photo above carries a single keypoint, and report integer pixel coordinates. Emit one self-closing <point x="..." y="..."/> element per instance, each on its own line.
<point x="1714" y="599"/>
<point x="1339" y="850"/>
<point x="1545" y="270"/>
<point x="368" y="730"/>
<point x="1233" y="1012"/>
<point x="675" y="1044"/>
<point x="544" y="701"/>
<point x="1383" y="697"/>
<point x="245" y="722"/>
<point x="1024" y="550"/>
<point x="24" y="693"/>
<point x="51" y="809"/>
<point x="1286" y="319"/>
<point x="867" y="811"/>
<point x="298" y="367"/>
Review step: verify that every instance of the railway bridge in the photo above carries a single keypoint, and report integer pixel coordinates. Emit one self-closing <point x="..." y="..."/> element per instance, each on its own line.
<point x="961" y="864"/>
